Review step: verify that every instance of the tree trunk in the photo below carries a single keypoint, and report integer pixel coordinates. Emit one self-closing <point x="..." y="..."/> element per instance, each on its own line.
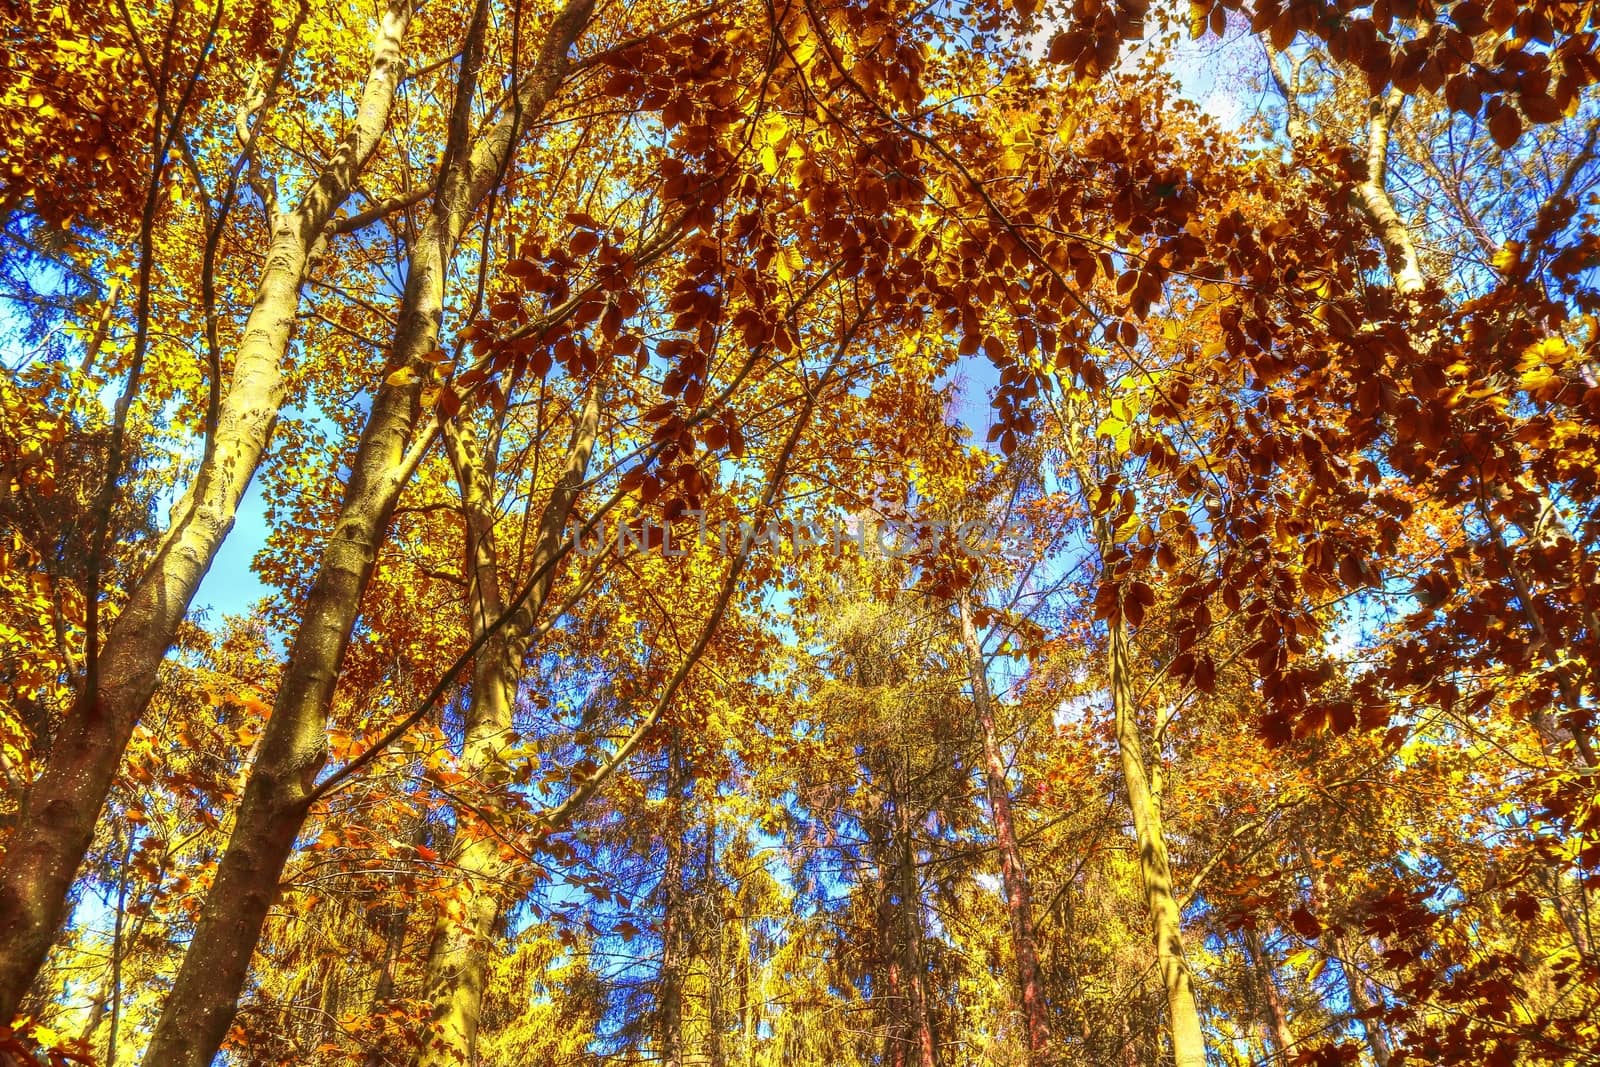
<point x="59" y="812"/>
<point x="1405" y="266"/>
<point x="458" y="953"/>
<point x="110" y="994"/>
<point x="458" y="958"/>
<point x="1013" y="872"/>
<point x="749" y="1011"/>
<point x="911" y="936"/>
<point x="1407" y="279"/>
<point x="1188" y="1039"/>
<point x="669" y="997"/>
<point x="1356" y="991"/>
<point x="464" y="985"/>
<point x="888" y="981"/>
<point x="716" y="975"/>
<point x="1276" y="1019"/>
<point x="394" y="936"/>
<point x="1129" y="1056"/>
<point x="293" y="747"/>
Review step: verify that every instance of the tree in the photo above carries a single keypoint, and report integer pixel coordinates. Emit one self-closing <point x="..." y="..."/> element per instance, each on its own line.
<point x="612" y="392"/>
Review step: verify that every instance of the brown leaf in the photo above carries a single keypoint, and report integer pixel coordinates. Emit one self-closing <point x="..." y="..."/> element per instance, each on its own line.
<point x="1305" y="924"/>
<point x="1505" y="125"/>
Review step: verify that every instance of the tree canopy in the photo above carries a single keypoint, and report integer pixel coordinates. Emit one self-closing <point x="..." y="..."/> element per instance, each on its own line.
<point x="800" y="533"/>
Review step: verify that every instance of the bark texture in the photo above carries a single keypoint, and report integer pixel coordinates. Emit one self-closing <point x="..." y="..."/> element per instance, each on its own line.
<point x="60" y="810"/>
<point x="1360" y="1003"/>
<point x="1166" y="920"/>
<point x="675" y="917"/>
<point x="293" y="747"/>
<point x="1013" y="871"/>
<point x="1405" y="267"/>
<point x="1277" y="1020"/>
<point x="910" y="911"/>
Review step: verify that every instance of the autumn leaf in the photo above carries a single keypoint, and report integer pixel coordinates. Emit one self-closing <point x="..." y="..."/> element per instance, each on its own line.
<point x="1504" y="124"/>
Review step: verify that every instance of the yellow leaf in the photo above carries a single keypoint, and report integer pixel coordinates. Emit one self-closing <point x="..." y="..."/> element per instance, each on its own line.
<point x="1110" y="427"/>
<point x="772" y="128"/>
<point x="787" y="263"/>
<point x="1116" y="429"/>
<point x="1538" y="377"/>
<point x="1553" y="350"/>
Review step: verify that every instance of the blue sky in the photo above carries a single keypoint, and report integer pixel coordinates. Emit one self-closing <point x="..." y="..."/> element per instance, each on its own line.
<point x="232" y="586"/>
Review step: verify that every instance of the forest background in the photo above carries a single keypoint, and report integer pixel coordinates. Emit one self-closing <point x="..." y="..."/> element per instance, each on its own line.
<point x="1267" y="325"/>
